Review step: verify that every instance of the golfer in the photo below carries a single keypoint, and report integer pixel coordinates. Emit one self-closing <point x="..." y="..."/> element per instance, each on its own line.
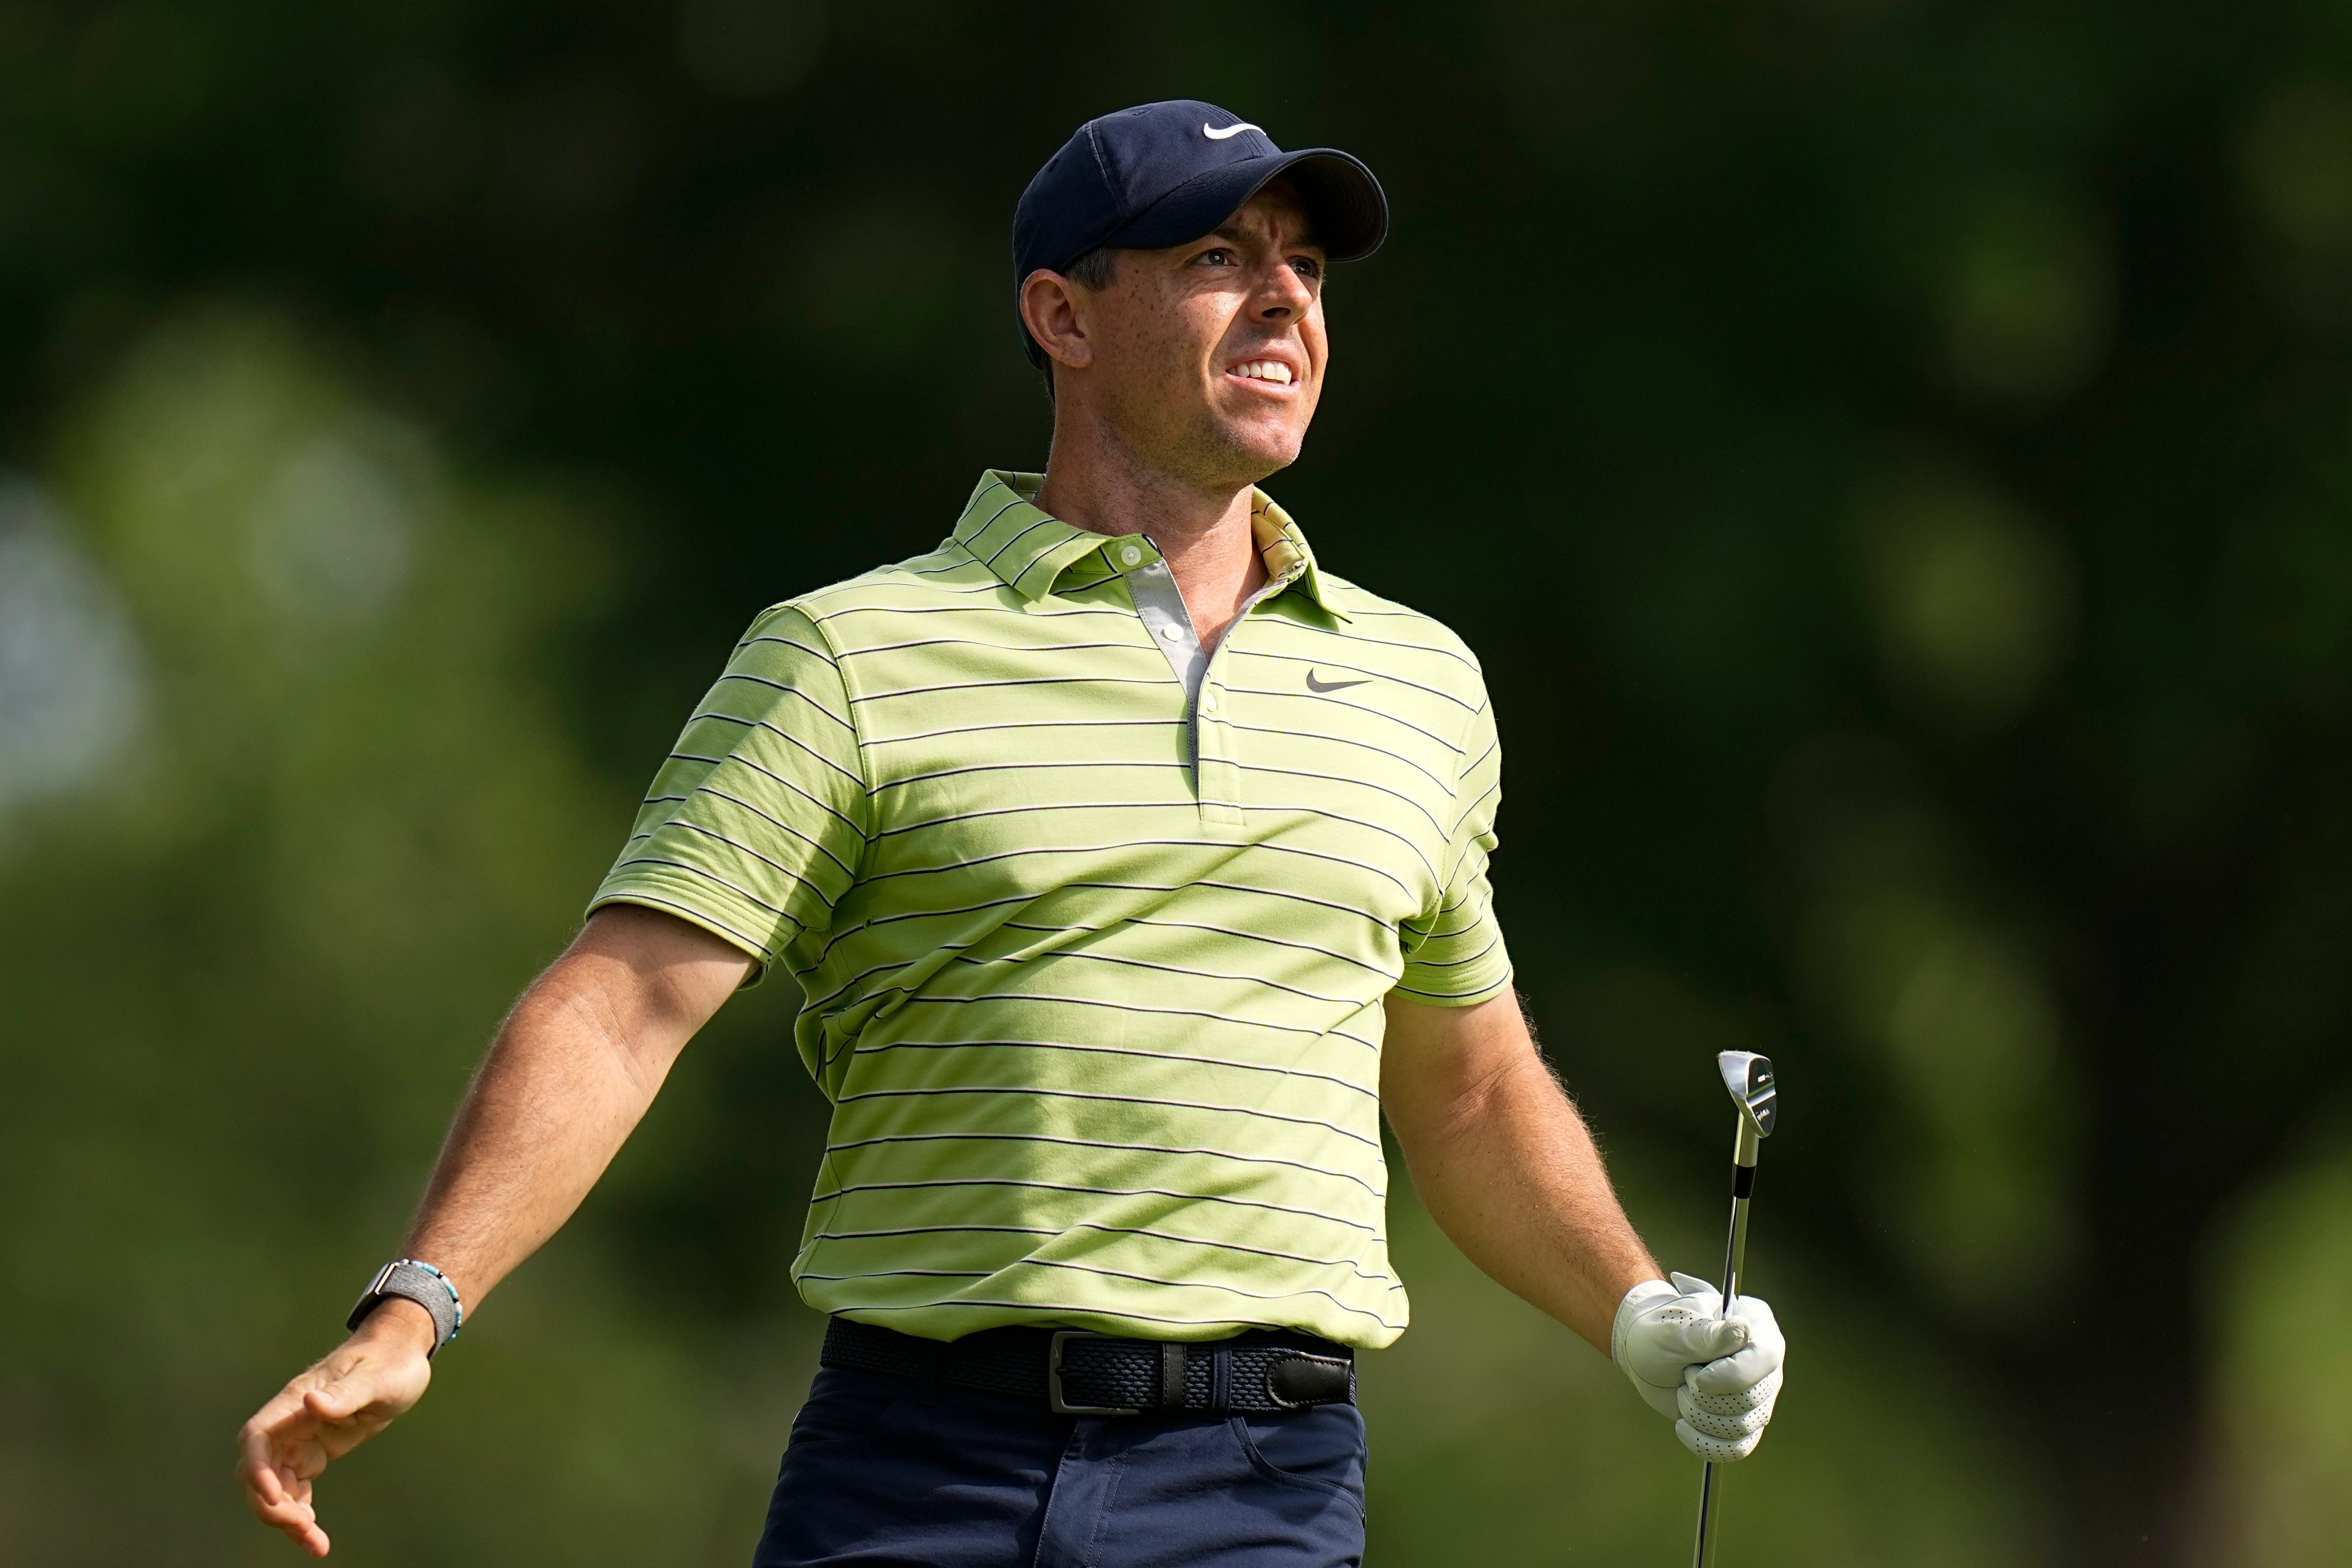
<point x="1129" y="865"/>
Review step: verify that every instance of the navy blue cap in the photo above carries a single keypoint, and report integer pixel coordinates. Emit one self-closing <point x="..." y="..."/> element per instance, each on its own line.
<point x="1168" y="172"/>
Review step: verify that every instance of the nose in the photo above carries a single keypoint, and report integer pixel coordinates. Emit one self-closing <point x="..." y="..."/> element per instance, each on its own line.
<point x="1285" y="295"/>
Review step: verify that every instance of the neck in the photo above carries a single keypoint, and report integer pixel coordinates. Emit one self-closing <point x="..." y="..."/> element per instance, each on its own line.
<point x="1095" y="482"/>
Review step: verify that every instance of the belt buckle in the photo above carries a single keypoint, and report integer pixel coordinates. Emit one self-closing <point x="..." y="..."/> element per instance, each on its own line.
<point x="1053" y="1378"/>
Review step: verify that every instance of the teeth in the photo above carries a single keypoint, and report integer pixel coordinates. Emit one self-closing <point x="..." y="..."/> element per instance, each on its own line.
<point x="1266" y="370"/>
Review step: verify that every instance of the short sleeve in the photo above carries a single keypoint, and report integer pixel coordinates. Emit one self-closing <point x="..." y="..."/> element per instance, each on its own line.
<point x="754" y="825"/>
<point x="1454" y="955"/>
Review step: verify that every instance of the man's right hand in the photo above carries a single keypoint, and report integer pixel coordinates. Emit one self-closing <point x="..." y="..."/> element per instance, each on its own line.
<point x="572" y="1070"/>
<point x="348" y="1398"/>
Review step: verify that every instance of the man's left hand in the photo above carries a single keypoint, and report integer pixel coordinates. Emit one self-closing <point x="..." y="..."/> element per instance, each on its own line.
<point x="1715" y="1375"/>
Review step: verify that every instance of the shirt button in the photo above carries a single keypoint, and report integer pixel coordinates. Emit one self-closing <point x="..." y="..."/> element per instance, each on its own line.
<point x="1209" y="701"/>
<point x="1131" y="555"/>
<point x="1171" y="633"/>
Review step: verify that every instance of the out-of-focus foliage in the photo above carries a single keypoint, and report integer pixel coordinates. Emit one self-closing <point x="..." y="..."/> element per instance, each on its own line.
<point x="1893" y="457"/>
<point x="2289" y="1440"/>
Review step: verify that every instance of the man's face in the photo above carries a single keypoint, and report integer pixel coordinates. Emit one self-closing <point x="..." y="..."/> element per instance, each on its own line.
<point x="1209" y="357"/>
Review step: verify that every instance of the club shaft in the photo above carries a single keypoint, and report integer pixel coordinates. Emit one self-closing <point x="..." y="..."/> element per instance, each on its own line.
<point x="1703" y="1554"/>
<point x="1735" y="1258"/>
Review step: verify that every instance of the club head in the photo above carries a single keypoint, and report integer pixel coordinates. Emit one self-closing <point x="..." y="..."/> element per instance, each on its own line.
<point x="1749" y="1078"/>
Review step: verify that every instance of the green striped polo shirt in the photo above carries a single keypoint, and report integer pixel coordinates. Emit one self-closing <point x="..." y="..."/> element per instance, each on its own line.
<point x="1092" y="968"/>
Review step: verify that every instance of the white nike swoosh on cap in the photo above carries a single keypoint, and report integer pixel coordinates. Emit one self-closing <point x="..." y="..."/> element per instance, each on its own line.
<point x="1213" y="134"/>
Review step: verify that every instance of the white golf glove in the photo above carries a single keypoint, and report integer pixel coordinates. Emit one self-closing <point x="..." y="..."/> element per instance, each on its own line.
<point x="1714" y="1376"/>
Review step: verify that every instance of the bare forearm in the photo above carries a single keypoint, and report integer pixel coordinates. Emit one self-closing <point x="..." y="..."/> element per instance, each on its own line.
<point x="571" y="1073"/>
<point x="1506" y="1168"/>
<point x="553" y="1101"/>
<point x="572" y="1069"/>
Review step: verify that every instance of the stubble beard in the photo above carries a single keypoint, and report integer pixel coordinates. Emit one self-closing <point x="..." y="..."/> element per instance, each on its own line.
<point x="1219" y="453"/>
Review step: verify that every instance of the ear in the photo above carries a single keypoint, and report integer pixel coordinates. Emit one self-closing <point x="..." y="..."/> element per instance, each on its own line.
<point x="1052" y="311"/>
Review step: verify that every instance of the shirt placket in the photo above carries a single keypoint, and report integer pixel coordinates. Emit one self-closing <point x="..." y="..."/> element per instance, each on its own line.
<point x="1215" y="746"/>
<point x="1162" y="604"/>
<point x="1216" y="775"/>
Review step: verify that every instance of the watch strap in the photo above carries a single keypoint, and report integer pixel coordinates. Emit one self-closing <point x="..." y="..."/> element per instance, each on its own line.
<point x="413" y="1279"/>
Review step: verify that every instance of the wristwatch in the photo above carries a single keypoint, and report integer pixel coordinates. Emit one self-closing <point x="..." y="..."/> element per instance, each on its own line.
<point x="413" y="1279"/>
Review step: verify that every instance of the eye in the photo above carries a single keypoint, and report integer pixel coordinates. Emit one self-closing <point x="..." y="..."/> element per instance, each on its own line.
<point x="1216" y="255"/>
<point x="1306" y="267"/>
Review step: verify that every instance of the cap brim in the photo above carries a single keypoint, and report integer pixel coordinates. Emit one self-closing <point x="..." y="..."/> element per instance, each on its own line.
<point x="1344" y="201"/>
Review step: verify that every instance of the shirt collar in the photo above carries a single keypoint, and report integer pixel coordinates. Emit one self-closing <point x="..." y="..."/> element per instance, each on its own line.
<point x="1289" y="559"/>
<point x="1029" y="550"/>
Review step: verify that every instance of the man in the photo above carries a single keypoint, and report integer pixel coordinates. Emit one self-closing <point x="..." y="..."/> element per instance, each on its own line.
<point x="1131" y="864"/>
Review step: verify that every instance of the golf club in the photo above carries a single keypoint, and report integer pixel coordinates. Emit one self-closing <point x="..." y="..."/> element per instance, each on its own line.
<point x="1749" y="1077"/>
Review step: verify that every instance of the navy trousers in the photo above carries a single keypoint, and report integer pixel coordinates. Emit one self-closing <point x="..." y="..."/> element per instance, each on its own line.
<point x="883" y="1473"/>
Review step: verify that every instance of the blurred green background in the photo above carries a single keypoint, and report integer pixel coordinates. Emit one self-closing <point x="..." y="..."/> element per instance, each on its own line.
<point x="1894" y="458"/>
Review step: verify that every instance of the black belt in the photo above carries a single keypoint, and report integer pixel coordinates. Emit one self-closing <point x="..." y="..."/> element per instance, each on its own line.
<point x="1081" y="1374"/>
